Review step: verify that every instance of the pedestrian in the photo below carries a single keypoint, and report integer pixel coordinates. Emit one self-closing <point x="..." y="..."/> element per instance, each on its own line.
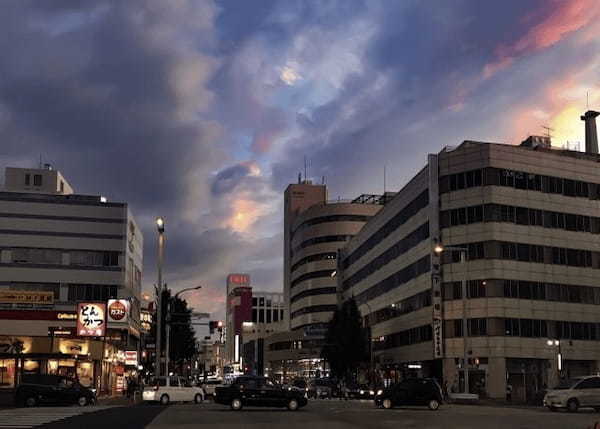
<point x="509" y="392"/>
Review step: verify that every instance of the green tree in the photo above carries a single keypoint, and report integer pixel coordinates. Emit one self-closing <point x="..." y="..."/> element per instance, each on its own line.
<point x="346" y="345"/>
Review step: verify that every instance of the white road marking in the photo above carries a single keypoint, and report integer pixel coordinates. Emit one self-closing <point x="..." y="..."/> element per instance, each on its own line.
<point x="31" y="417"/>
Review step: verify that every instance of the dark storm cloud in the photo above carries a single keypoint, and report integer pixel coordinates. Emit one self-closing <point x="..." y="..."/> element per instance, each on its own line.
<point x="227" y="179"/>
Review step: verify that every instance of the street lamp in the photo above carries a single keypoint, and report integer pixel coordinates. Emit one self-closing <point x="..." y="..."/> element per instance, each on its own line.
<point x="160" y="225"/>
<point x="559" y="358"/>
<point x="168" y="328"/>
<point x="463" y="258"/>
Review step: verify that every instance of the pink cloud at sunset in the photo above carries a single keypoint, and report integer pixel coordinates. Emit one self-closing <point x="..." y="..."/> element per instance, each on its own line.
<point x="566" y="18"/>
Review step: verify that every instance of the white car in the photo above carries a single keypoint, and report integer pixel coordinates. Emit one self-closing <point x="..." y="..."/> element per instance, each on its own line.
<point x="575" y="393"/>
<point x="172" y="389"/>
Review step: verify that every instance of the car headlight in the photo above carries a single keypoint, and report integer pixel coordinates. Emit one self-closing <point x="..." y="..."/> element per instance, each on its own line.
<point x="93" y="391"/>
<point x="371" y="392"/>
<point x="379" y="392"/>
<point x="362" y="392"/>
<point x="306" y="389"/>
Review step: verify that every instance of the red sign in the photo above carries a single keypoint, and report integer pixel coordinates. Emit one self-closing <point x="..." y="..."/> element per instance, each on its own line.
<point x="91" y="319"/>
<point x="238" y="279"/>
<point x="118" y="310"/>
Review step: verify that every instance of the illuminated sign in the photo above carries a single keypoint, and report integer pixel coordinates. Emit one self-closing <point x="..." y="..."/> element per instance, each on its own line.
<point x="118" y="310"/>
<point x="131" y="357"/>
<point x="91" y="319"/>
<point x="26" y="297"/>
<point x="66" y="316"/>
<point x="238" y="279"/>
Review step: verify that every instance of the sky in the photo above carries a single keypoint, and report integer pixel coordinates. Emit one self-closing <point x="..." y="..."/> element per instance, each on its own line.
<point x="203" y="111"/>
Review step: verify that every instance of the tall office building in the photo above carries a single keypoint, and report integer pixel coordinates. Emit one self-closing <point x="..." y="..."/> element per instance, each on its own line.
<point x="525" y="219"/>
<point x="59" y="249"/>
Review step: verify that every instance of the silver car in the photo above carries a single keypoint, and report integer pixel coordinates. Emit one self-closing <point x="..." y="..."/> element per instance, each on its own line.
<point x="574" y="393"/>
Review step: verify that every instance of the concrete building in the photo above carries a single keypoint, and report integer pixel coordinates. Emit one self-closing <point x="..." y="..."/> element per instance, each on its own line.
<point x="59" y="249"/>
<point x="527" y="219"/>
<point x="238" y="310"/>
<point x="315" y="229"/>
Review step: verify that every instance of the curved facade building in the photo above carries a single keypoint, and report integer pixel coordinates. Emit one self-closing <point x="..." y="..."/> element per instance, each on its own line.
<point x="314" y="231"/>
<point x="316" y="235"/>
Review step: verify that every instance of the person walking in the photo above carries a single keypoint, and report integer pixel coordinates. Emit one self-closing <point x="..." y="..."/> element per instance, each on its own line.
<point x="509" y="392"/>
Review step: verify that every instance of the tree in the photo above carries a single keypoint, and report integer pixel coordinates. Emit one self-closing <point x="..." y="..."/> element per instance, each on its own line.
<point x="345" y="343"/>
<point x="182" y="341"/>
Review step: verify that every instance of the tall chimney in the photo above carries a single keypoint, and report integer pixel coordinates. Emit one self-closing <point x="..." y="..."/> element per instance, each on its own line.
<point x="591" y="135"/>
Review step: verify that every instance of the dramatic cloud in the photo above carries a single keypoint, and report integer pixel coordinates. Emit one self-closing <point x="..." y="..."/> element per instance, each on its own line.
<point x="203" y="112"/>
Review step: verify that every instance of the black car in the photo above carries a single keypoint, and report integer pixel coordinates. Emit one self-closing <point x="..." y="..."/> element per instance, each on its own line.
<point x="259" y="392"/>
<point x="416" y="391"/>
<point x="40" y="389"/>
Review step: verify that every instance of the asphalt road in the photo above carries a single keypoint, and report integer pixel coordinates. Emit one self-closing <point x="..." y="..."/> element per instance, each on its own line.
<point x="318" y="414"/>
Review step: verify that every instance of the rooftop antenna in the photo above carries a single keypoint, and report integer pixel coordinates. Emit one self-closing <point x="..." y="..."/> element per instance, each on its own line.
<point x="299" y="177"/>
<point x="322" y="180"/>
<point x="384" y="177"/>
<point x="587" y="94"/>
<point x="305" y="168"/>
<point x="40" y="167"/>
<point x="548" y="129"/>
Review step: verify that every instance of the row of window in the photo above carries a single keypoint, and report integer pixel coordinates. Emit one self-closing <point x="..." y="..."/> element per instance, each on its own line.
<point x="411" y="209"/>
<point x="520" y="216"/>
<point x="528" y="328"/>
<point x="297" y="345"/>
<point x="320" y="240"/>
<point x="407" y="337"/>
<point x="34" y="287"/>
<point x="413" y="303"/>
<point x="401" y="277"/>
<point x="92" y="292"/>
<point x="37" y="180"/>
<point x="54" y="257"/>
<point x="314" y="292"/>
<point x="312" y="275"/>
<point x="519" y="180"/>
<point x="330" y="218"/>
<point x="398" y="249"/>
<point x="314" y="258"/>
<point x="266" y="315"/>
<point x="527" y="253"/>
<point x="523" y="289"/>
<point x="313" y="309"/>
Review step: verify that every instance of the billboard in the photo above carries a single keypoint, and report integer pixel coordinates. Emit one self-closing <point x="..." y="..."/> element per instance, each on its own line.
<point x="91" y="319"/>
<point x="237" y="280"/>
<point x="118" y="310"/>
<point x="26" y="297"/>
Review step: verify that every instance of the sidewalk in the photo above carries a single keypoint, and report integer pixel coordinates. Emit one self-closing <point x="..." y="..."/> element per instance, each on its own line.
<point x="119" y="400"/>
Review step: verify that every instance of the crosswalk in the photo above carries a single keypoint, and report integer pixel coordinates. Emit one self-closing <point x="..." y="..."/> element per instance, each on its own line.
<point x="32" y="417"/>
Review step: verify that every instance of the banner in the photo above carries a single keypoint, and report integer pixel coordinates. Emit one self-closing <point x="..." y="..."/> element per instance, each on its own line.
<point x="131" y="357"/>
<point x="91" y="319"/>
<point x="26" y="297"/>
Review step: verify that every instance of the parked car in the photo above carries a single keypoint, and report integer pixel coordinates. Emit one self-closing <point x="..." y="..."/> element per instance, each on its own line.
<point x="300" y="383"/>
<point x="259" y="392"/>
<point x="210" y="385"/>
<point x="416" y="391"/>
<point x="37" y="389"/>
<point x="172" y="389"/>
<point x="574" y="393"/>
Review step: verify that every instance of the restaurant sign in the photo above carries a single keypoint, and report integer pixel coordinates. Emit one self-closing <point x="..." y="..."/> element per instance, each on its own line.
<point x="91" y="319"/>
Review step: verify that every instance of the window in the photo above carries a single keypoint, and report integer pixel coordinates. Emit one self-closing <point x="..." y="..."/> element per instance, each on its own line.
<point x="458" y="328"/>
<point x="62" y="186"/>
<point x="37" y="256"/>
<point x="477" y="327"/>
<point x="476" y="289"/>
<point x="589" y="383"/>
<point x="37" y="180"/>
<point x="511" y="327"/>
<point x="27" y="179"/>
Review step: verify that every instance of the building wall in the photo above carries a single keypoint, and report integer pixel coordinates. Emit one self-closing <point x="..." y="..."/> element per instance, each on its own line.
<point x="312" y="287"/>
<point x="509" y="250"/>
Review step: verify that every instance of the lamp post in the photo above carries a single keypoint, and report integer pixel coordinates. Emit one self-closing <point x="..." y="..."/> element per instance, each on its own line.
<point x="160" y="225"/>
<point x="559" y="356"/>
<point x="463" y="258"/>
<point x="168" y="327"/>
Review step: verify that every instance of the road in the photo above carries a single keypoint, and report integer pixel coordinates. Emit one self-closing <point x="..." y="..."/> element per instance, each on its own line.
<point x="318" y="414"/>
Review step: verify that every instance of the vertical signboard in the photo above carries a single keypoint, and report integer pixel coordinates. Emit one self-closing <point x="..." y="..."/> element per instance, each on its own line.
<point x="91" y="319"/>
<point x="436" y="277"/>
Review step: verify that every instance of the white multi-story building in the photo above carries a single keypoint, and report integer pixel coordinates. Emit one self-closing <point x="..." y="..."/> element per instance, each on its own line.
<point x="58" y="249"/>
